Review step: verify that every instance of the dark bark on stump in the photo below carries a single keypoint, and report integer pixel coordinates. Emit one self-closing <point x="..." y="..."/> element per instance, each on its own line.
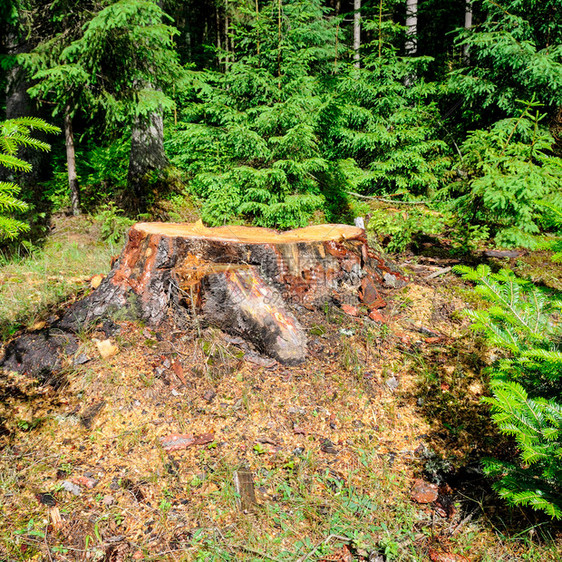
<point x="39" y="353"/>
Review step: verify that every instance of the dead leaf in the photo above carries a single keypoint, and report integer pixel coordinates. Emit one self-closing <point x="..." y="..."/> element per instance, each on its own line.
<point x="433" y="340"/>
<point x="178" y="370"/>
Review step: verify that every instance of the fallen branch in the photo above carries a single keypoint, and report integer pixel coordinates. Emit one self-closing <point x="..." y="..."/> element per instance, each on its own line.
<point x="383" y="200"/>
<point x="463" y="522"/>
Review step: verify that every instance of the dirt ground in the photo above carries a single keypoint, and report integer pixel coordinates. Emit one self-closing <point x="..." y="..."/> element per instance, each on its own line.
<point x="88" y="469"/>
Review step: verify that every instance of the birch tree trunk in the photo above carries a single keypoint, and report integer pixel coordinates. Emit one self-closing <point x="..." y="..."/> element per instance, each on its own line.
<point x="412" y="27"/>
<point x="356" y="32"/>
<point x="219" y="42"/>
<point x="71" y="162"/>
<point x="467" y="25"/>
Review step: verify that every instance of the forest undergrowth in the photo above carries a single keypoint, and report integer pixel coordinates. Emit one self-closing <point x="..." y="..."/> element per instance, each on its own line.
<point x="338" y="448"/>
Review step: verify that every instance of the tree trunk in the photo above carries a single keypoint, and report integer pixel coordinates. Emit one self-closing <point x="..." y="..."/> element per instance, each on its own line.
<point x="556" y="130"/>
<point x="226" y="36"/>
<point x="411" y="27"/>
<point x="71" y="162"/>
<point x="146" y="157"/>
<point x="257" y="31"/>
<point x="219" y="43"/>
<point x="356" y="32"/>
<point x="467" y="25"/>
<point x="247" y="281"/>
<point x="20" y="104"/>
<point x="279" y="41"/>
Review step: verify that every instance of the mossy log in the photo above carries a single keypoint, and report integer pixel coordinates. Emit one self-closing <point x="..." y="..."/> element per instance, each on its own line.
<point x="247" y="281"/>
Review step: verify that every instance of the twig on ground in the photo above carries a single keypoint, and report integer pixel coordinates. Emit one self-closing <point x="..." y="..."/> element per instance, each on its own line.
<point x="463" y="522"/>
<point x="324" y="541"/>
<point x="256" y="552"/>
<point x="47" y="544"/>
<point x="439" y="272"/>
<point x="176" y="350"/>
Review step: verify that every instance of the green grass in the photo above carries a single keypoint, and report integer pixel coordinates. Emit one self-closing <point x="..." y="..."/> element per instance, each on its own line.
<point x="33" y="284"/>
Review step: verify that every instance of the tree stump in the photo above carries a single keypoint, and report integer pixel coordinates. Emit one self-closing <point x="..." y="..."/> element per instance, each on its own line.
<point x="247" y="281"/>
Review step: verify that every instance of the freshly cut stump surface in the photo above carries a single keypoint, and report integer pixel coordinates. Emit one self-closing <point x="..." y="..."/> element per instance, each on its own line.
<point x="250" y="282"/>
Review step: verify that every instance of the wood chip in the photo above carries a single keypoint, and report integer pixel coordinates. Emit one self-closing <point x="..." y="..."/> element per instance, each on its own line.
<point x="376" y="316"/>
<point x="56" y="519"/>
<point x="244" y="486"/>
<point x="350" y="310"/>
<point x="424" y="492"/>
<point x="96" y="280"/>
<point x="178" y="441"/>
<point x="106" y="348"/>
<point x="85" y="481"/>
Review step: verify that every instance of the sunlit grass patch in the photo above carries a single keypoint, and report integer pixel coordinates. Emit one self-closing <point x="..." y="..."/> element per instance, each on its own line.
<point x="33" y="284"/>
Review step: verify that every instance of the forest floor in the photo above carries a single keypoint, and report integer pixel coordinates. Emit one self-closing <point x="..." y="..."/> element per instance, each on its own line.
<point x="369" y="451"/>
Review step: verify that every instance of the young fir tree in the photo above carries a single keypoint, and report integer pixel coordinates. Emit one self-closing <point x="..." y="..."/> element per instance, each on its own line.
<point x="509" y="174"/>
<point x="526" y="400"/>
<point x="249" y="136"/>
<point x="515" y="54"/>
<point x="381" y="122"/>
<point x="510" y="164"/>
<point x="14" y="134"/>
